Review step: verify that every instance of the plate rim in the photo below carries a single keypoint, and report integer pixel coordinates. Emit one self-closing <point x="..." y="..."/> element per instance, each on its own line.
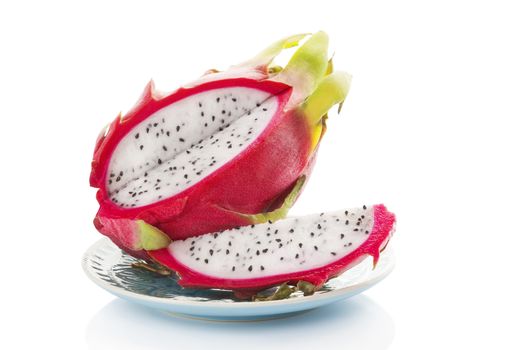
<point x="118" y="291"/>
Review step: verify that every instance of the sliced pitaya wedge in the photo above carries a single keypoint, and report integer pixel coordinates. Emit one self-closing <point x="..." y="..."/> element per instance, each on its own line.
<point x="312" y="248"/>
<point x="215" y="153"/>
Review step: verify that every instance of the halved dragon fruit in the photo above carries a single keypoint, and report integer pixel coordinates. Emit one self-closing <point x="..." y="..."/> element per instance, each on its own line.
<point x="312" y="248"/>
<point x="231" y="149"/>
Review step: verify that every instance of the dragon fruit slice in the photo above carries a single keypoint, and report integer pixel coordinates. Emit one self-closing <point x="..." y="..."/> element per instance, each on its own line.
<point x="312" y="248"/>
<point x="231" y="149"/>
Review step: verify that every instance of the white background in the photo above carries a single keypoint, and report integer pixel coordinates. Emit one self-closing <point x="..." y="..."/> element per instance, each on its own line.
<point x="433" y="128"/>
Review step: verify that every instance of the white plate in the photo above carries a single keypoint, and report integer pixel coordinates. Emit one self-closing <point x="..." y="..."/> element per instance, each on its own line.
<point x="110" y="268"/>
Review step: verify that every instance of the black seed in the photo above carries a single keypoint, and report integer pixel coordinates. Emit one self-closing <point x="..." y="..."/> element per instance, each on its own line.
<point x="233" y="268"/>
<point x="218" y="99"/>
<point x="278" y="240"/>
<point x="356" y="229"/>
<point x="159" y="161"/>
<point x="265" y="109"/>
<point x="117" y="179"/>
<point x="265" y="250"/>
<point x="315" y="247"/>
<point x="223" y="111"/>
<point x="319" y="226"/>
<point x="364" y="207"/>
<point x="300" y="245"/>
<point x="342" y="236"/>
<point x="202" y="114"/>
<point x="192" y="248"/>
<point x="258" y="242"/>
<point x="280" y="245"/>
<point x="168" y="133"/>
<point x="297" y="256"/>
<point x="258" y="252"/>
<point x="147" y="130"/>
<point x="185" y="176"/>
<point x="367" y="232"/>
<point x="137" y="135"/>
<point x="206" y="261"/>
<point x="234" y="99"/>
<point x="347" y="222"/>
<point x="262" y="268"/>
<point x="227" y="251"/>
<point x="230" y="244"/>
<point x="215" y="235"/>
<point x="181" y="139"/>
<point x="333" y="253"/>
<point x="250" y="268"/>
<point x="155" y="124"/>
<point x="282" y="258"/>
<point x="211" y="251"/>
<point x="346" y="212"/>
<point x="141" y="147"/>
<point x="291" y="230"/>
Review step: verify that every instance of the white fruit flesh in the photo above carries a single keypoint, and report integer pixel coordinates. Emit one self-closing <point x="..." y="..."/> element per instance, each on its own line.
<point x="287" y="246"/>
<point x="181" y="144"/>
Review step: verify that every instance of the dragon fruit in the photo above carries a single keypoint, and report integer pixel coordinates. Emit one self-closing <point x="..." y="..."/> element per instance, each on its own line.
<point x="232" y="148"/>
<point x="312" y="249"/>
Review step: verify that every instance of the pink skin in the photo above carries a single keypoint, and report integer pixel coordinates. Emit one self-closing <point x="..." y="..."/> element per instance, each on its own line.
<point x="250" y="183"/>
<point x="381" y="232"/>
